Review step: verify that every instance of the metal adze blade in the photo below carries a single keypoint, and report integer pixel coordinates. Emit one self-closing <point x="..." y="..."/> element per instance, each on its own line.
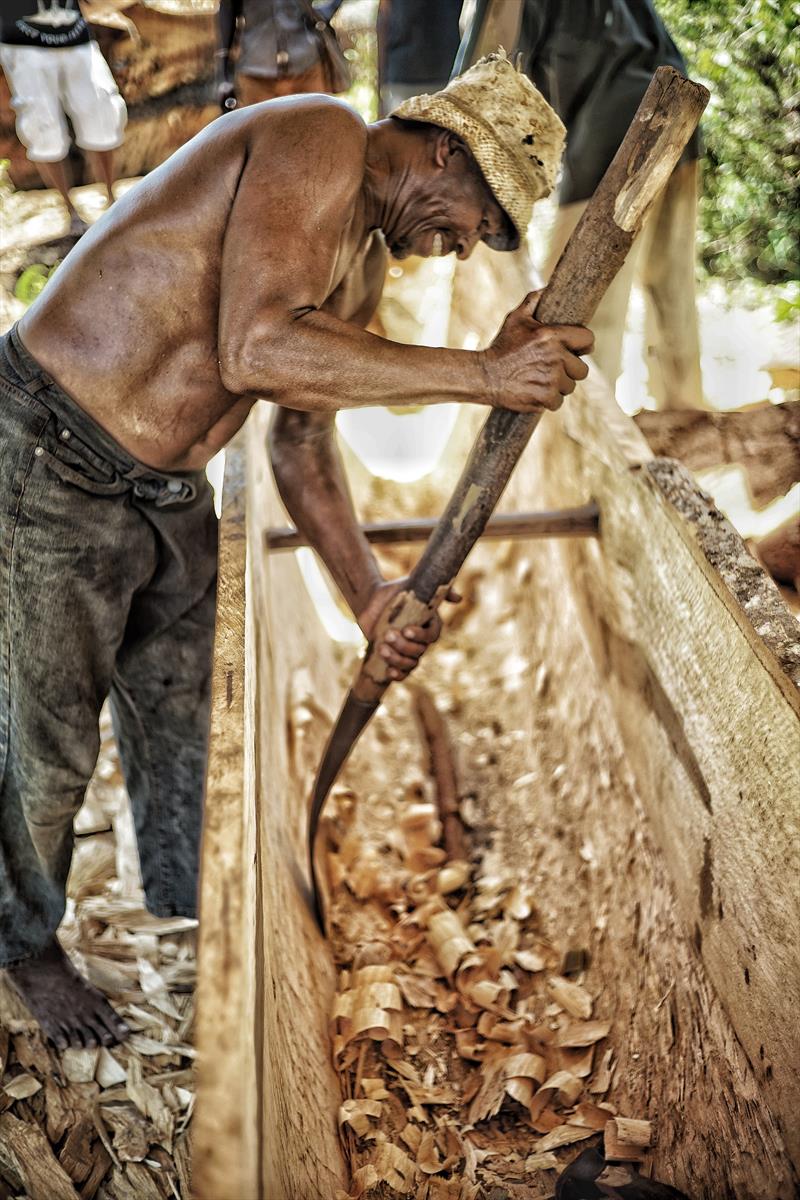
<point x="354" y="716"/>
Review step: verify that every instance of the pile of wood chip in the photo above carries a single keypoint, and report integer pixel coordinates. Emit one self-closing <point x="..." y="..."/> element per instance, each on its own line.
<point x="474" y="1059"/>
<point x="106" y="1123"/>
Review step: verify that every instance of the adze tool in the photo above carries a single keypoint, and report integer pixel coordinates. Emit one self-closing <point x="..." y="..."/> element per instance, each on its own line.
<point x="661" y="127"/>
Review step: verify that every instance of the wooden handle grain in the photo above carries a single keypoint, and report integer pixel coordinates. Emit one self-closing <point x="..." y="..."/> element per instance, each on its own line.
<point x="661" y="127"/>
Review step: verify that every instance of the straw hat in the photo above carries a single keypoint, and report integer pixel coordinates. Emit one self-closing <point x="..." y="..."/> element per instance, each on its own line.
<point x="512" y="131"/>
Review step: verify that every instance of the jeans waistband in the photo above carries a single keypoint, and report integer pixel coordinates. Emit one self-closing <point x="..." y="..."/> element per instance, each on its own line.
<point x="162" y="487"/>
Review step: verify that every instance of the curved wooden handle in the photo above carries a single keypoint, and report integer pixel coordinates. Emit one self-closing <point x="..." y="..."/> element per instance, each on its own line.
<point x="661" y="127"/>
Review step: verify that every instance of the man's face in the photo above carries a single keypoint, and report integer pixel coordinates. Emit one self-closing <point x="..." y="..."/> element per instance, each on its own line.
<point x="450" y="208"/>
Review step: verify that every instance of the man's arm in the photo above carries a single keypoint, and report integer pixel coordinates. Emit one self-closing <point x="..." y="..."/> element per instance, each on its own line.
<point x="313" y="485"/>
<point x="285" y="249"/>
<point x="311" y="480"/>
<point x="309" y="471"/>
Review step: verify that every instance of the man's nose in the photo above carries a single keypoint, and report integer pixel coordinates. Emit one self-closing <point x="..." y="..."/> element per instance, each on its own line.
<point x="466" y="244"/>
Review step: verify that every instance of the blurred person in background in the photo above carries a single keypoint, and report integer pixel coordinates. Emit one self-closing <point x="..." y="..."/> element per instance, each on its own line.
<point x="55" y="70"/>
<point x="593" y="61"/>
<point x="417" y="45"/>
<point x="270" y="48"/>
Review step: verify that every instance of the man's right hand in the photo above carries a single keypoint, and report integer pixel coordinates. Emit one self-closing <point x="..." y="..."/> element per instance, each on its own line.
<point x="530" y="366"/>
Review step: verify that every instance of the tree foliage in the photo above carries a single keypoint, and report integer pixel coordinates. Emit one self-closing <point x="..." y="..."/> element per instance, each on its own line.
<point x="747" y="54"/>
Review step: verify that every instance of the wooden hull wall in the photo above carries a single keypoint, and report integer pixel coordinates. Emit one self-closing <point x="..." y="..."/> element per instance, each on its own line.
<point x="703" y="684"/>
<point x="266" y="1125"/>
<point x="672" y="666"/>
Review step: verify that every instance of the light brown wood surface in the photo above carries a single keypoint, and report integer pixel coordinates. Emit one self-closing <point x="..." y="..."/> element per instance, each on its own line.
<point x="25" y="1151"/>
<point x="227" y="1124"/>
<point x="661" y="721"/>
<point x="765" y="441"/>
<point x="701" y="661"/>
<point x="267" y="1096"/>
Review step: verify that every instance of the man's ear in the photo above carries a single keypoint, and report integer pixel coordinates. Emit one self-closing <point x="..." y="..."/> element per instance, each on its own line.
<point x="445" y="145"/>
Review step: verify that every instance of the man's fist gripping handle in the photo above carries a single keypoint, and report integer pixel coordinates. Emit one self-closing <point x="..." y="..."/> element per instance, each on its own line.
<point x="530" y="366"/>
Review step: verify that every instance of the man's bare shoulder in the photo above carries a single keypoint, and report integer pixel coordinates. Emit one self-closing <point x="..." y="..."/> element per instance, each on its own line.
<point x="310" y="132"/>
<point x="311" y="110"/>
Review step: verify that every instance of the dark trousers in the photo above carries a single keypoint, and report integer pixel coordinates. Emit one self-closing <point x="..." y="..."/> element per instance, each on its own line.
<point x="107" y="588"/>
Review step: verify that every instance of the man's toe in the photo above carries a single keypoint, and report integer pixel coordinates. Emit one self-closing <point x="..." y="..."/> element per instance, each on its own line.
<point x="114" y="1026"/>
<point x="106" y="1035"/>
<point x="59" y="1036"/>
<point x="77" y="1032"/>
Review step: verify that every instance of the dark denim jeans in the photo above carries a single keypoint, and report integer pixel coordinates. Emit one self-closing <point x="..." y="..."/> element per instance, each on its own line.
<point x="107" y="587"/>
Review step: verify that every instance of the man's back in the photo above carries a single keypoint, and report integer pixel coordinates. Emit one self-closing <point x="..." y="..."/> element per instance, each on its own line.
<point x="129" y="327"/>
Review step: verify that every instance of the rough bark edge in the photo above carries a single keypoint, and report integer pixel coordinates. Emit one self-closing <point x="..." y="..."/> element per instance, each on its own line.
<point x="757" y="598"/>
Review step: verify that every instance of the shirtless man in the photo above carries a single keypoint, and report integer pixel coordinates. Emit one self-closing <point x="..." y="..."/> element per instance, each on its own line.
<point x="246" y="267"/>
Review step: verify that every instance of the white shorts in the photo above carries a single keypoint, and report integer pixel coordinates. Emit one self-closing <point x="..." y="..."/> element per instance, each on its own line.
<point x="74" y="80"/>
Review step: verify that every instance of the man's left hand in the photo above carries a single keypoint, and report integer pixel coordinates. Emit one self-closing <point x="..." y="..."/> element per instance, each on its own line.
<point x="402" y="648"/>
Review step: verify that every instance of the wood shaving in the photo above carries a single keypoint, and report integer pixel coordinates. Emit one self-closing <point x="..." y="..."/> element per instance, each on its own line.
<point x="625" y="1140"/>
<point x="21" y="1087"/>
<point x="358" y="1113"/>
<point x="150" y="1103"/>
<point x="79" y="1066"/>
<point x="563" y="1135"/>
<point x="109" y="1070"/>
<point x="572" y="998"/>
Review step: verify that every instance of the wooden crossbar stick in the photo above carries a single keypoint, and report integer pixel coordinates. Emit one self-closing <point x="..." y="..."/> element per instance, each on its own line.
<point x="566" y="522"/>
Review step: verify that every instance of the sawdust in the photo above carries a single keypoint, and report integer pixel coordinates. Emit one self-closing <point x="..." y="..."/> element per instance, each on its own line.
<point x="107" y="1123"/>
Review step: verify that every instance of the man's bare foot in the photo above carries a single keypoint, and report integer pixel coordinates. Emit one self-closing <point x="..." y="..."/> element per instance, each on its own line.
<point x="70" y="1011"/>
<point x="77" y="225"/>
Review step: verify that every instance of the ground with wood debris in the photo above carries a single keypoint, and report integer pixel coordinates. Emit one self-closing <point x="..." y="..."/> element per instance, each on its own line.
<point x="112" y="1124"/>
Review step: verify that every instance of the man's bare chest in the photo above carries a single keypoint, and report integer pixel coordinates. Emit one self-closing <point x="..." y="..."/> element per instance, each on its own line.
<point x="361" y="280"/>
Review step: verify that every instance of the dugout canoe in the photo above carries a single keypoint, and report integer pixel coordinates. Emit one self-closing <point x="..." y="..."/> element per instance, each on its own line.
<point x="670" y="653"/>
